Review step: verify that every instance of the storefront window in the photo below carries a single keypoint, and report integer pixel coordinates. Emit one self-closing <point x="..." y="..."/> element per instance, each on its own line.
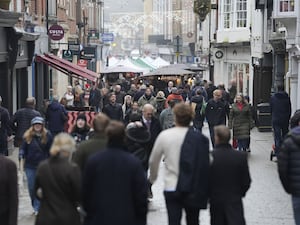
<point x="238" y="75"/>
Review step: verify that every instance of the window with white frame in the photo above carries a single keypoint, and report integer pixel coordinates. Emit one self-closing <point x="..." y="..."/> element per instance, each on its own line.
<point x="241" y="13"/>
<point x="286" y="5"/>
<point x="234" y="14"/>
<point x="227" y="13"/>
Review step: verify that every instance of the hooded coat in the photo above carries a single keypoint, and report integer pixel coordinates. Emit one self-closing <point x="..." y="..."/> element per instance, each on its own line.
<point x="289" y="162"/>
<point x="56" y="117"/>
<point x="280" y="108"/>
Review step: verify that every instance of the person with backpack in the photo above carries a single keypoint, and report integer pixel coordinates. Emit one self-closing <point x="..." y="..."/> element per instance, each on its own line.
<point x="198" y="104"/>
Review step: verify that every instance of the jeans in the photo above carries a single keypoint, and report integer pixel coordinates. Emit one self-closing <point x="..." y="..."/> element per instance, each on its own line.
<point x="279" y="133"/>
<point x="242" y="144"/>
<point x="174" y="203"/>
<point x="212" y="135"/>
<point x="30" y="174"/>
<point x="296" y="209"/>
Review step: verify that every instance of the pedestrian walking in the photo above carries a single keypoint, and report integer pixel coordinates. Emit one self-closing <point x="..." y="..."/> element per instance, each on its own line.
<point x="5" y="129"/>
<point x="137" y="137"/>
<point x="8" y="192"/>
<point x="198" y="105"/>
<point x="80" y="129"/>
<point x="57" y="185"/>
<point x="166" y="117"/>
<point x="21" y="120"/>
<point x="94" y="144"/>
<point x="34" y="149"/>
<point x="95" y="98"/>
<point x="229" y="181"/>
<point x="281" y="112"/>
<point x="69" y="96"/>
<point x="215" y="113"/>
<point x="113" y="110"/>
<point x="160" y="101"/>
<point x="186" y="160"/>
<point x="289" y="166"/>
<point x="147" y="98"/>
<point x="240" y="121"/>
<point x="122" y="198"/>
<point x="174" y="96"/>
<point x="56" y="116"/>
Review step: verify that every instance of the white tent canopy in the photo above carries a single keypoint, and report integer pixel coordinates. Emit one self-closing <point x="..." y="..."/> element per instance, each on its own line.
<point x="159" y="62"/>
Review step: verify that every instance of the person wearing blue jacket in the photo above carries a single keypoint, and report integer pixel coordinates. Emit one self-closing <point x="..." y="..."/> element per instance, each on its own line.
<point x="34" y="149"/>
<point x="56" y="116"/>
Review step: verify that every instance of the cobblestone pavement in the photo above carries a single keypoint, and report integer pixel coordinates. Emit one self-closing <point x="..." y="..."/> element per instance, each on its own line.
<point x="266" y="203"/>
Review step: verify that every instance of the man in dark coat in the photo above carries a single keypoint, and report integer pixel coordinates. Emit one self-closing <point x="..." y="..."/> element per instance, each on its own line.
<point x="289" y="168"/>
<point x="229" y="181"/>
<point x="21" y="120"/>
<point x="5" y="129"/>
<point x="113" y="110"/>
<point x="281" y="112"/>
<point x="95" y="98"/>
<point x="8" y="192"/>
<point x="114" y="184"/>
<point x="56" y="116"/>
<point x="96" y="143"/>
<point x="215" y="113"/>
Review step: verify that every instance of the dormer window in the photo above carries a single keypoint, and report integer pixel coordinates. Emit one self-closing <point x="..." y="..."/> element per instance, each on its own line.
<point x="286" y="6"/>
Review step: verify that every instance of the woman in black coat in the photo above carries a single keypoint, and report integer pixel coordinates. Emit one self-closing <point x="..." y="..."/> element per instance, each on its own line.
<point x="8" y="192"/>
<point x="114" y="184"/>
<point x="57" y="185"/>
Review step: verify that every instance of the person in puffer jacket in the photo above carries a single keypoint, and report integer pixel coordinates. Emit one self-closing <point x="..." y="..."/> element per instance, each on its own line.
<point x="289" y="168"/>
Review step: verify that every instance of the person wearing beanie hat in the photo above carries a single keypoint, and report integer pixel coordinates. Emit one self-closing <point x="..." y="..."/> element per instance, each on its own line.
<point x="33" y="150"/>
<point x="81" y="129"/>
<point x="137" y="136"/>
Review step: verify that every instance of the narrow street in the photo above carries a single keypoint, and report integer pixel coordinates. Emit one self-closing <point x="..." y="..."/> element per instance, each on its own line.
<point x="266" y="202"/>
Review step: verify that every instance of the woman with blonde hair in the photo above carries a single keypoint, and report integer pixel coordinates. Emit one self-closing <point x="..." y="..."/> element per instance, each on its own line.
<point x="58" y="183"/>
<point x="34" y="149"/>
<point x="240" y="121"/>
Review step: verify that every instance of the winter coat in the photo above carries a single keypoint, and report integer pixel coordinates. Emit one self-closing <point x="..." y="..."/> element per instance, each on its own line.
<point x="215" y="112"/>
<point x="5" y="130"/>
<point x="95" y="97"/>
<point x="173" y="97"/>
<point x="137" y="137"/>
<point x="166" y="118"/>
<point x="87" y="148"/>
<point x="160" y="101"/>
<point x="8" y="192"/>
<point x="144" y="100"/>
<point x="21" y="120"/>
<point x="80" y="134"/>
<point x="114" y="189"/>
<point x="240" y="121"/>
<point x="289" y="162"/>
<point x="114" y="112"/>
<point x="60" y="182"/>
<point x="198" y="119"/>
<point x="35" y="152"/>
<point x="280" y="108"/>
<point x="193" y="180"/>
<point x="56" y="117"/>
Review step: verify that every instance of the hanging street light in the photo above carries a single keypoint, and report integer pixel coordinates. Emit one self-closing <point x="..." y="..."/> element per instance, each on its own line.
<point x="202" y="8"/>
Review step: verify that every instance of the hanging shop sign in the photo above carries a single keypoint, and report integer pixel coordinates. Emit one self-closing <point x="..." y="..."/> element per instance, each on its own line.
<point x="56" y="32"/>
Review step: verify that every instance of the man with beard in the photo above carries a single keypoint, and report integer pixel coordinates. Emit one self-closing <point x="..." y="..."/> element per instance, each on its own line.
<point x="113" y="110"/>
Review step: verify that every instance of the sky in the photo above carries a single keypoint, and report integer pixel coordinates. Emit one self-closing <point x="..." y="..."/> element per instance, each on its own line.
<point x="123" y="6"/>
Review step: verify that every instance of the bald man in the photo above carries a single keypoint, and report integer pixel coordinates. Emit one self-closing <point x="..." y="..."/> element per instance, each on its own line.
<point x="215" y="113"/>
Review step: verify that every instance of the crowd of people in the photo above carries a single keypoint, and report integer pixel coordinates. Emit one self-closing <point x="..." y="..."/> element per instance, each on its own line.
<point x="103" y="172"/>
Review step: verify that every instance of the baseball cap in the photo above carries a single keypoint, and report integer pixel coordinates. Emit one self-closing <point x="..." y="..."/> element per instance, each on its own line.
<point x="37" y="120"/>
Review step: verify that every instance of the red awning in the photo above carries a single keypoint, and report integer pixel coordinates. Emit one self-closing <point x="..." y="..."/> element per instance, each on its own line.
<point x="67" y="67"/>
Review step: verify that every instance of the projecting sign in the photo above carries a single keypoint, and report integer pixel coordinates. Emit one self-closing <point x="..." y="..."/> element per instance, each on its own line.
<point x="56" y="32"/>
<point x="106" y="37"/>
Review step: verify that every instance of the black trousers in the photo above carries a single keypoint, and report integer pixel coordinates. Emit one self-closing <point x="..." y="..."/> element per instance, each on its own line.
<point x="175" y="205"/>
<point x="227" y="213"/>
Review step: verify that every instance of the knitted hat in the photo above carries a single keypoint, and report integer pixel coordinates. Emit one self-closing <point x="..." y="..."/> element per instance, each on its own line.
<point x="81" y="116"/>
<point x="37" y="120"/>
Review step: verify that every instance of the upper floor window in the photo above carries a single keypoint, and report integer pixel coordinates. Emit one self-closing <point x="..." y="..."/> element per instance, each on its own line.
<point x="227" y="13"/>
<point x="241" y="13"/>
<point x="234" y="14"/>
<point x="286" y="5"/>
